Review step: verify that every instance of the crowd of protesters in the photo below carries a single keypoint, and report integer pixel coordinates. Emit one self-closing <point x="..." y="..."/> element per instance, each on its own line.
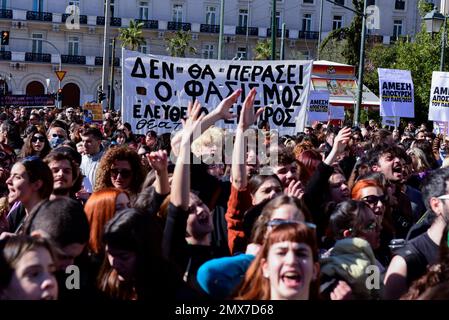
<point x="344" y="213"/>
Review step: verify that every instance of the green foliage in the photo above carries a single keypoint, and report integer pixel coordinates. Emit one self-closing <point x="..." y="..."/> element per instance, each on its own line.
<point x="131" y="37"/>
<point x="333" y="51"/>
<point x="352" y="36"/>
<point x="424" y="7"/>
<point x="421" y="57"/>
<point x="262" y="50"/>
<point x="179" y="42"/>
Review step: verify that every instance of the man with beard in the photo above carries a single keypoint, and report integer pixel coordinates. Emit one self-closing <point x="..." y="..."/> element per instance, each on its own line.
<point x="65" y="172"/>
<point x="388" y="159"/>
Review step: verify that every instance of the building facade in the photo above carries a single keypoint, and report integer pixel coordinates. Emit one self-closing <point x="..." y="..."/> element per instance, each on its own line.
<point x="40" y="40"/>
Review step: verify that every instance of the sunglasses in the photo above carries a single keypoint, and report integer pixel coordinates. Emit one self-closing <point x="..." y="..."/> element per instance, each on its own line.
<point x="38" y="138"/>
<point x="125" y="173"/>
<point x="54" y="135"/>
<point x="278" y="222"/>
<point x="375" y="199"/>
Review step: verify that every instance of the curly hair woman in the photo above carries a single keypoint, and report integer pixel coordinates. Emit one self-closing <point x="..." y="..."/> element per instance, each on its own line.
<point x="121" y="168"/>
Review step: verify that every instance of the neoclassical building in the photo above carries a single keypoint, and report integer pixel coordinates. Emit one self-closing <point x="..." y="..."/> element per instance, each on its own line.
<point x="40" y="40"/>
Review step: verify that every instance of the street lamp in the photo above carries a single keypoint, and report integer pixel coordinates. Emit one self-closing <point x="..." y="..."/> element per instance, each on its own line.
<point x="433" y="21"/>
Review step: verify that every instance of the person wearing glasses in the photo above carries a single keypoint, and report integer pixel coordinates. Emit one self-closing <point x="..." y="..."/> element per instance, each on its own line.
<point x="286" y="267"/>
<point x="121" y="168"/>
<point x="411" y="261"/>
<point x="356" y="230"/>
<point x="36" y="144"/>
<point x="56" y="136"/>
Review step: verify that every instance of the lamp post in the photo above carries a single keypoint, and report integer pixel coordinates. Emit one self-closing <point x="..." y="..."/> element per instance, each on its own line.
<point x="361" y="67"/>
<point x="433" y="21"/>
<point x="220" y="39"/>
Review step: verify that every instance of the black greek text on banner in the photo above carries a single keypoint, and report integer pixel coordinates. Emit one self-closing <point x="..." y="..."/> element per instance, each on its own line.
<point x="157" y="89"/>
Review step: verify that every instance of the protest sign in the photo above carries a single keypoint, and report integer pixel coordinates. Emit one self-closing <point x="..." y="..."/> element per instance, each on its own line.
<point x="336" y="113"/>
<point x="439" y="97"/>
<point x="391" y="121"/>
<point x="440" y="127"/>
<point x="396" y="93"/>
<point x="92" y="112"/>
<point x="318" y="106"/>
<point x="157" y="89"/>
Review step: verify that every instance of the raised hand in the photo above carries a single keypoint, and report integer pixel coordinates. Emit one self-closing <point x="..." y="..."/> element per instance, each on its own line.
<point x="223" y="109"/>
<point x="158" y="160"/>
<point x="342" y="139"/>
<point x="295" y="189"/>
<point x="247" y="115"/>
<point x="193" y="122"/>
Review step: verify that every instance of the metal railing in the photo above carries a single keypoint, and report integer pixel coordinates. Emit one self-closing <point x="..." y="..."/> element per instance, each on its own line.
<point x="5" y="55"/>
<point x="72" y="59"/>
<point x="149" y="24"/>
<point x="278" y="33"/>
<point x="309" y="35"/>
<point x="83" y="18"/>
<point x="179" y="26"/>
<point x="5" y="14"/>
<point x="37" y="57"/>
<point x="39" y="16"/>
<point x="99" y="61"/>
<point x="210" y="28"/>
<point x="115" y="22"/>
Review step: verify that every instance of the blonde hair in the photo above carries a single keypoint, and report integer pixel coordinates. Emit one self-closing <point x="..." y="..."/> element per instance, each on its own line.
<point x="209" y="138"/>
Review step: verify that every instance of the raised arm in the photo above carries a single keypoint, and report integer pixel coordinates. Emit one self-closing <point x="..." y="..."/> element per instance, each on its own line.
<point x="181" y="176"/>
<point x="340" y="143"/>
<point x="247" y="118"/>
<point x="159" y="162"/>
<point x="222" y="111"/>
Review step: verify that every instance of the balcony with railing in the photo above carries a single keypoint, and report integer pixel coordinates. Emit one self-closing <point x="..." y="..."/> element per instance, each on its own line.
<point x="5" y="55"/>
<point x="99" y="61"/>
<point x="252" y="31"/>
<point x="83" y="18"/>
<point x="37" y="57"/>
<point x="5" y="14"/>
<point x="115" y="22"/>
<point x="309" y="35"/>
<point x="278" y="33"/>
<point x="72" y="59"/>
<point x="210" y="28"/>
<point x="149" y="24"/>
<point x="39" y="16"/>
<point x="172" y="25"/>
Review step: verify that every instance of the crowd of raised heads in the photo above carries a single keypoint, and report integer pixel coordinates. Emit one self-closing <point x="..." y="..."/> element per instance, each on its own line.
<point x="345" y="213"/>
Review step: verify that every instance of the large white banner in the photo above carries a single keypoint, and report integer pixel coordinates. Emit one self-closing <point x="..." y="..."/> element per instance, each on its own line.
<point x="396" y="93"/>
<point x="157" y="89"/>
<point x="318" y="106"/>
<point x="439" y="97"/>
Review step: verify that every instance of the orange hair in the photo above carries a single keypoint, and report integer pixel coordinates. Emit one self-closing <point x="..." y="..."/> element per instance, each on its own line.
<point x="356" y="192"/>
<point x="100" y="208"/>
